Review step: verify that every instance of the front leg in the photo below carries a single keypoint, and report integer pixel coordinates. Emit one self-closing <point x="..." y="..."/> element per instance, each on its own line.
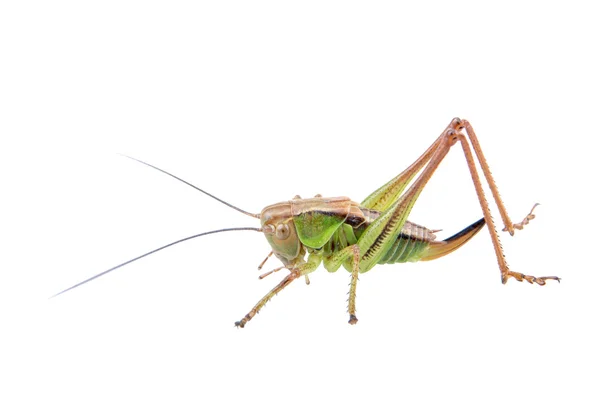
<point x="295" y="272"/>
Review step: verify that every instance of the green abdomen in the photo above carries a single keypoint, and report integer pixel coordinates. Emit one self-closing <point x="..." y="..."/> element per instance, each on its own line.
<point x="410" y="245"/>
<point x="413" y="243"/>
<point x="404" y="249"/>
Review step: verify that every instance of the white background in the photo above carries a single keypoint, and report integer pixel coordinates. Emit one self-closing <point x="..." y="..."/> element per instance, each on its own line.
<point x="257" y="102"/>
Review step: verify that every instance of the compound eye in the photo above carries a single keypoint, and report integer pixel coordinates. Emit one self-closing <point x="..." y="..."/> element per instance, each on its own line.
<point x="282" y="231"/>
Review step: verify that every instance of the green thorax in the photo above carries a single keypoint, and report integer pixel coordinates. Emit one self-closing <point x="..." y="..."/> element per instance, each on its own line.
<point x="316" y="220"/>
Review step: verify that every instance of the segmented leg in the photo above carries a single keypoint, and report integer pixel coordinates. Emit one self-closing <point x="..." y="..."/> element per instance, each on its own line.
<point x="525" y="221"/>
<point x="508" y="225"/>
<point x="303" y="269"/>
<point x="381" y="233"/>
<point x="374" y="241"/>
<point x="334" y="262"/>
<point x="353" y="280"/>
<point x="382" y="198"/>
<point x="371" y="245"/>
<point x="506" y="273"/>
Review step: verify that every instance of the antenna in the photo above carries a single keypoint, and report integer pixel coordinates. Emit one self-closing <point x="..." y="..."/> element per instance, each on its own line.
<point x="152" y="252"/>
<point x="195" y="187"/>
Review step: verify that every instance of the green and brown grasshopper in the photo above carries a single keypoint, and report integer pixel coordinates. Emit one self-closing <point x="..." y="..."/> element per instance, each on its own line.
<point x="336" y="231"/>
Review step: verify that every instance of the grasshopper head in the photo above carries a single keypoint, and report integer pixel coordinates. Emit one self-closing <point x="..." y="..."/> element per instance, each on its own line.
<point x="278" y="226"/>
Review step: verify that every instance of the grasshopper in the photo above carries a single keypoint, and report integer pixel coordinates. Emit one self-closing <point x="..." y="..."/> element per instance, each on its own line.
<point x="336" y="231"/>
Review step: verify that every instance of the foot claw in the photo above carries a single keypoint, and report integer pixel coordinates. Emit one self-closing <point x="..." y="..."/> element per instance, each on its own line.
<point x="240" y="324"/>
<point x="529" y="278"/>
<point x="521" y="224"/>
<point x="353" y="320"/>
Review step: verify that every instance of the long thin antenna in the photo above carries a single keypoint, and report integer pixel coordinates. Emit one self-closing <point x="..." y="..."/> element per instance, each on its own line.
<point x="195" y="187"/>
<point x="154" y="251"/>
